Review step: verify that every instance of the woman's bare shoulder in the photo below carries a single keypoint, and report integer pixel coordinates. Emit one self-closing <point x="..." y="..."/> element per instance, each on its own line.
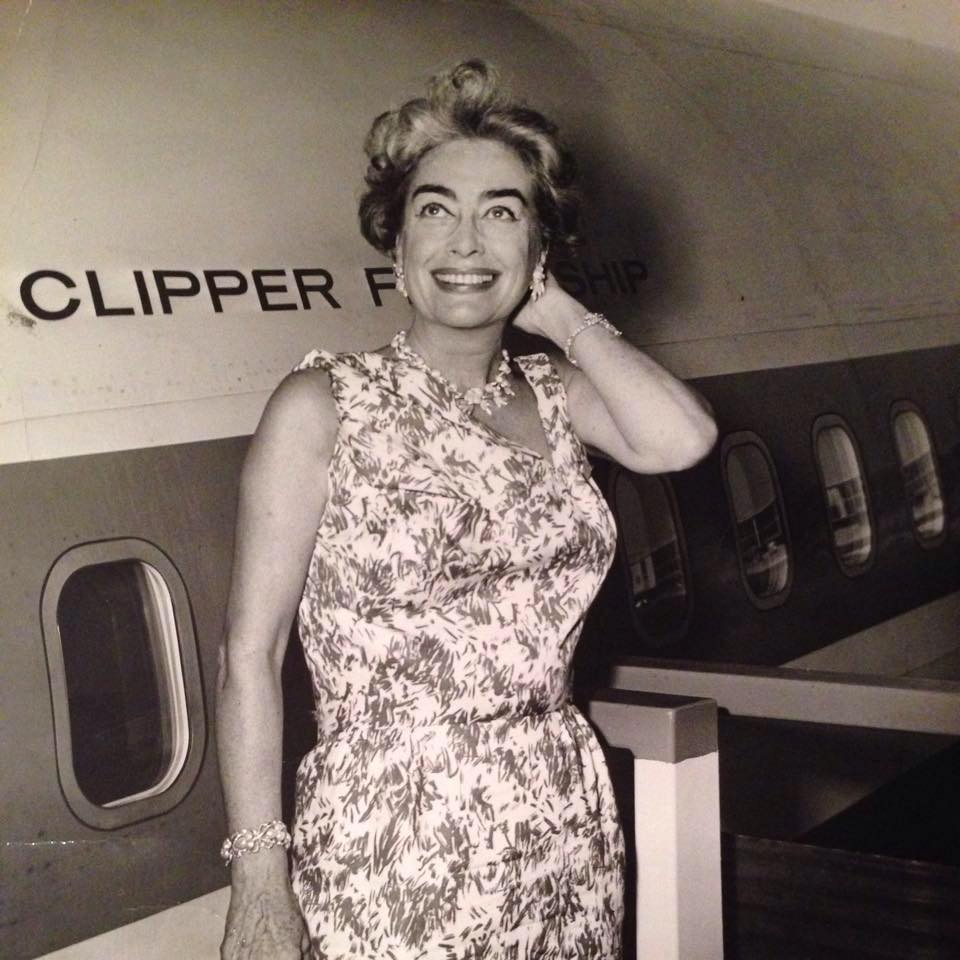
<point x="301" y="414"/>
<point x="305" y="386"/>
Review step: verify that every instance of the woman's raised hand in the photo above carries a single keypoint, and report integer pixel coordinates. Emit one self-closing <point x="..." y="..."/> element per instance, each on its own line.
<point x="553" y="315"/>
<point x="264" y="923"/>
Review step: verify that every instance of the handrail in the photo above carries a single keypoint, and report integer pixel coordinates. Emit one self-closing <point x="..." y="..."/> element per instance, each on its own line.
<point x="810" y="696"/>
<point x="656" y="726"/>
<point x="673" y="740"/>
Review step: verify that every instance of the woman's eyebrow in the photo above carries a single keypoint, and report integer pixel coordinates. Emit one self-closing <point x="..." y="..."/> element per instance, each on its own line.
<point x="505" y="192"/>
<point x="433" y="188"/>
<point x="486" y="195"/>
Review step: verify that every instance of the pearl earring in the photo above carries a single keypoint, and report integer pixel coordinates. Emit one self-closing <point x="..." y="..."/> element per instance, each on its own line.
<point x="400" y="280"/>
<point x="538" y="282"/>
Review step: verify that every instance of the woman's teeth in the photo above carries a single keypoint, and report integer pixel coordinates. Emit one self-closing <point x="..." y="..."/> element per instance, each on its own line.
<point x="465" y="279"/>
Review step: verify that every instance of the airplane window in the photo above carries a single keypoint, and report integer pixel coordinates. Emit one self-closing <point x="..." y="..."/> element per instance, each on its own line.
<point x="124" y="688"/>
<point x="919" y="470"/>
<point x="124" y="678"/>
<point x="848" y="507"/>
<point x="653" y="556"/>
<point x="759" y="517"/>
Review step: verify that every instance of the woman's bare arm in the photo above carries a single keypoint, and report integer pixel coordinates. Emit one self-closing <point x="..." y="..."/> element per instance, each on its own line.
<point x="283" y="490"/>
<point x="620" y="400"/>
<point x="625" y="404"/>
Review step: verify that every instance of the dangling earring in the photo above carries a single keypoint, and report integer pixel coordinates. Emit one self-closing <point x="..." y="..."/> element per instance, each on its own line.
<point x="538" y="281"/>
<point x="398" y="273"/>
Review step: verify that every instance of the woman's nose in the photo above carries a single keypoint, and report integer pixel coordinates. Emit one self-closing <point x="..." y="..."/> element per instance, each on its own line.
<point x="466" y="239"/>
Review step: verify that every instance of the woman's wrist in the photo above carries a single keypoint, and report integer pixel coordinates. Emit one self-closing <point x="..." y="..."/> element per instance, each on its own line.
<point x="270" y="833"/>
<point x="589" y="321"/>
<point x="266" y="867"/>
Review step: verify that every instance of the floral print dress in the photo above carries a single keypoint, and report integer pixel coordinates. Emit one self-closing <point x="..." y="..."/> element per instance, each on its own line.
<point x="457" y="805"/>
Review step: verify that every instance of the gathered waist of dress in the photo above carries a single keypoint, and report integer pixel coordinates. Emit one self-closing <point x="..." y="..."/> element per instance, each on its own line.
<point x="454" y="760"/>
<point x="399" y="725"/>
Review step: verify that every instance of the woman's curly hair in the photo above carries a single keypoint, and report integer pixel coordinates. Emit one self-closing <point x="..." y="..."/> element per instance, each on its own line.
<point x="467" y="102"/>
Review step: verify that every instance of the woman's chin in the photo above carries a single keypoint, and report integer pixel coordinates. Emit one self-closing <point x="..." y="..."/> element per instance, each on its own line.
<point x="465" y="315"/>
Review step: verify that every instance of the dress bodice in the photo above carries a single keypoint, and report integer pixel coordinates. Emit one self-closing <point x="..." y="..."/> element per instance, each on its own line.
<point x="452" y="566"/>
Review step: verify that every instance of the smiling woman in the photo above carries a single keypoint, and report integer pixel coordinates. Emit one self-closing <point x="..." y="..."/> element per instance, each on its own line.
<point x="428" y="509"/>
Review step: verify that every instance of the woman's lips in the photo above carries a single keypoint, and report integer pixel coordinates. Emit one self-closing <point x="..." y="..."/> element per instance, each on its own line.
<point x="464" y="281"/>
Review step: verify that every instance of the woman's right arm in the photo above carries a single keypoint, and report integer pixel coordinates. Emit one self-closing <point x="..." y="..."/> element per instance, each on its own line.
<point x="283" y="489"/>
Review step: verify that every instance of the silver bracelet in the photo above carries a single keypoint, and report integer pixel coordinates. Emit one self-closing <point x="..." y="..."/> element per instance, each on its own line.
<point x="273" y="833"/>
<point x="589" y="320"/>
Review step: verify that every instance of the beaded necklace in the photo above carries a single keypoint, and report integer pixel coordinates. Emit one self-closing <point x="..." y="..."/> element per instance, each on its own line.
<point x="496" y="393"/>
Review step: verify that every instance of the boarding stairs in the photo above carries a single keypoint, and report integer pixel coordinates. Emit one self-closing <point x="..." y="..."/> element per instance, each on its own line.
<point x="879" y="879"/>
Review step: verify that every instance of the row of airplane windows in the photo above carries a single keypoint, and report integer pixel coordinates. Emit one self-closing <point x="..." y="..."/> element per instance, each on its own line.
<point x="651" y="534"/>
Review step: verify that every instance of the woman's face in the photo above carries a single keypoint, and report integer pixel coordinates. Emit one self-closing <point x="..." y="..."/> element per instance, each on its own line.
<point x="470" y="237"/>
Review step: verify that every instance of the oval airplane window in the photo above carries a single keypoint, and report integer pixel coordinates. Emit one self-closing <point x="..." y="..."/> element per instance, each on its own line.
<point x="759" y="519"/>
<point x="845" y="493"/>
<point x="125" y="681"/>
<point x="653" y="556"/>
<point x="918" y="468"/>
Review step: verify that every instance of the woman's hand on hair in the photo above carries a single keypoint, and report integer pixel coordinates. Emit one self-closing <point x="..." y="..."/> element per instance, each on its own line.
<point x="555" y="315"/>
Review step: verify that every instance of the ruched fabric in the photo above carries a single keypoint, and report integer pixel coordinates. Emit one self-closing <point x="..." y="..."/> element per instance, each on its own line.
<point x="457" y="805"/>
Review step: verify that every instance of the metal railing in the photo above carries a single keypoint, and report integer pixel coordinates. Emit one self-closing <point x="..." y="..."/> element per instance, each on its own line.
<point x="808" y="696"/>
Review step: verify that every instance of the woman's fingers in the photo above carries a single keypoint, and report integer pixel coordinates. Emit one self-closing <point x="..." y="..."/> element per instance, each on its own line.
<point x="265" y="926"/>
<point x="551" y="314"/>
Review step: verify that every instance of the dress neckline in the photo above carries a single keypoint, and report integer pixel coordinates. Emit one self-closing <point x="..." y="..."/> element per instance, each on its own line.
<point x="452" y="410"/>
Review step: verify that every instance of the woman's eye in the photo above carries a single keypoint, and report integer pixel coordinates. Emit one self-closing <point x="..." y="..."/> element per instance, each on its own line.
<point x="432" y="209"/>
<point x="501" y="213"/>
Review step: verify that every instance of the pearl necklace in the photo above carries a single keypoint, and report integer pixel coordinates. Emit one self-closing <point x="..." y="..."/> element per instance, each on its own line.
<point x="496" y="393"/>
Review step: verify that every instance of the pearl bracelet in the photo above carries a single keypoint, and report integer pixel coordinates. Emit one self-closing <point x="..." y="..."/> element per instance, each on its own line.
<point x="589" y="320"/>
<point x="273" y="833"/>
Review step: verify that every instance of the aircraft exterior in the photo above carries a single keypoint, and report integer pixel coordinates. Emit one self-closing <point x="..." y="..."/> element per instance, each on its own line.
<point x="771" y="211"/>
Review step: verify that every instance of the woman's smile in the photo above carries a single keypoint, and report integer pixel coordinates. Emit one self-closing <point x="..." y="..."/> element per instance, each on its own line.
<point x="465" y="281"/>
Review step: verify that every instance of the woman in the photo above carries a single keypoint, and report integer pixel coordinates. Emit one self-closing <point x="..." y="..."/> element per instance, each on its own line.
<point x="429" y="508"/>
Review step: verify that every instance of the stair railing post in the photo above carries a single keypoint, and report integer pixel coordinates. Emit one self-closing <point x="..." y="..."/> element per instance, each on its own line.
<point x="673" y="740"/>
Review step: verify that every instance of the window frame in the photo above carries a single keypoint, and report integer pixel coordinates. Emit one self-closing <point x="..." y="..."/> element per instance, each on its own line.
<point x="654" y="641"/>
<point x="907" y="406"/>
<point x="730" y="442"/>
<point x="146" y="804"/>
<point x="824" y="422"/>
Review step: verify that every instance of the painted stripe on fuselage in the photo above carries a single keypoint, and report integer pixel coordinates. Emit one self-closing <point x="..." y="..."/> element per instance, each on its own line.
<point x="78" y="432"/>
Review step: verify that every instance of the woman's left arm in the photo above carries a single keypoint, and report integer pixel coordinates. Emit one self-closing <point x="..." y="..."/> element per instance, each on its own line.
<point x="620" y="400"/>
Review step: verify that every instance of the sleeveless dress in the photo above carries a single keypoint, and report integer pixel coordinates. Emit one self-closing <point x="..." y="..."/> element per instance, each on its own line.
<point x="457" y="805"/>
